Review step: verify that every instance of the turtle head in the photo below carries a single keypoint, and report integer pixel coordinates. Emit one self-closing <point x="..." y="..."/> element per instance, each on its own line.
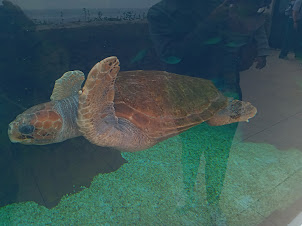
<point x="40" y="124"/>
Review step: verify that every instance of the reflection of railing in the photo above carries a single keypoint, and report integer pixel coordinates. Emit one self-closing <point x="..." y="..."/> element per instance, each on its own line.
<point x="49" y="17"/>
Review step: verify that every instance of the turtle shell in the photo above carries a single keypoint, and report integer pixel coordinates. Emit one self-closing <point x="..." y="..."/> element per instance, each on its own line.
<point x="164" y="104"/>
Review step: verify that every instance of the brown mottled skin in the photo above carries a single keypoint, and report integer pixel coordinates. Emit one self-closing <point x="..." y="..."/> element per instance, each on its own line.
<point x="52" y="122"/>
<point x="129" y="111"/>
<point x="45" y="120"/>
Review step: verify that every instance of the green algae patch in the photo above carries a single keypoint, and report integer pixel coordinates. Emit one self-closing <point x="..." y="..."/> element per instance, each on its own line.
<point x="24" y="213"/>
<point x="150" y="189"/>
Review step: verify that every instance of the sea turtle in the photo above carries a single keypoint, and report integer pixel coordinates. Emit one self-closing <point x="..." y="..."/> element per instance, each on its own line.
<point x="130" y="112"/>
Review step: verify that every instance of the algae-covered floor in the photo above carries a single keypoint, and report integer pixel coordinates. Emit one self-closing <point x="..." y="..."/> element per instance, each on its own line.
<point x="262" y="179"/>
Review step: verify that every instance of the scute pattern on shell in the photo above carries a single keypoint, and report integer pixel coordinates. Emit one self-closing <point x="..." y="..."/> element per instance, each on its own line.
<point x="163" y="104"/>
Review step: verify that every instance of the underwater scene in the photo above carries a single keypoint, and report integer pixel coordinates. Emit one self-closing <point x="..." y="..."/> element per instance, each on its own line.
<point x="151" y="112"/>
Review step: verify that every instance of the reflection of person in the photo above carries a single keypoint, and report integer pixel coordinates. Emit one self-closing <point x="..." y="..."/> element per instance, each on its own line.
<point x="293" y="31"/>
<point x="203" y="39"/>
<point x="191" y="40"/>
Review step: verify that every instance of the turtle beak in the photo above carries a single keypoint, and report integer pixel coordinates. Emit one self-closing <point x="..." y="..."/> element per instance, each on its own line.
<point x="13" y="136"/>
<point x="9" y="128"/>
<point x="10" y="133"/>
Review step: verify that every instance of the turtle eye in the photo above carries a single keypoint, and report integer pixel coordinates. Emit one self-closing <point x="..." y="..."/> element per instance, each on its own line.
<point x="26" y="129"/>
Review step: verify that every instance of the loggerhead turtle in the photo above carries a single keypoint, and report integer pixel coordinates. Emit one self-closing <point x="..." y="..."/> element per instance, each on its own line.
<point x="130" y="112"/>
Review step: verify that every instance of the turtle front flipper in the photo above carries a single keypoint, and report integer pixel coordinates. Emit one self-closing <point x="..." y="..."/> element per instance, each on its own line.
<point x="235" y="111"/>
<point x="68" y="85"/>
<point x="96" y="114"/>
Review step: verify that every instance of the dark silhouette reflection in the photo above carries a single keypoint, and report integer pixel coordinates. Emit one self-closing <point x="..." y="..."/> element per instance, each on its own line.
<point x="27" y="61"/>
<point x="293" y="30"/>
<point x="44" y="174"/>
<point x="16" y="40"/>
<point x="213" y="40"/>
<point x="30" y="63"/>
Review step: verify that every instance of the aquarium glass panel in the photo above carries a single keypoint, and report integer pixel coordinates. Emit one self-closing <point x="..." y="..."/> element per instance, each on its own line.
<point x="151" y="112"/>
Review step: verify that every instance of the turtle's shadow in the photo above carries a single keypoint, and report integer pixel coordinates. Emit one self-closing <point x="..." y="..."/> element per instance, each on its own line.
<point x="44" y="174"/>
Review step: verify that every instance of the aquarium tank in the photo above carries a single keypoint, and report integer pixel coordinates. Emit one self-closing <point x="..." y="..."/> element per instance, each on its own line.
<point x="151" y="112"/>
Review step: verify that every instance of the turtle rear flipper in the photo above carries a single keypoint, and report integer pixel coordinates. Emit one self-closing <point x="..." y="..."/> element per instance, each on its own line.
<point x="235" y="111"/>
<point x="96" y="114"/>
